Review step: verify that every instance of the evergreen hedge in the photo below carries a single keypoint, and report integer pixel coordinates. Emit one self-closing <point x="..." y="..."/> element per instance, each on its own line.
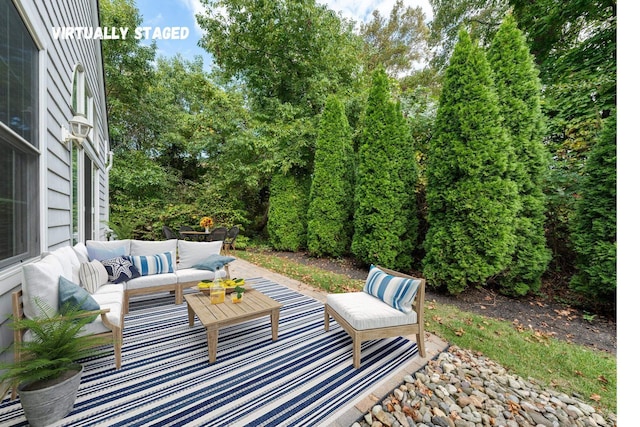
<point x="288" y="204"/>
<point x="329" y="226"/>
<point x="381" y="203"/>
<point x="518" y="88"/>
<point x="593" y="231"/>
<point x="470" y="198"/>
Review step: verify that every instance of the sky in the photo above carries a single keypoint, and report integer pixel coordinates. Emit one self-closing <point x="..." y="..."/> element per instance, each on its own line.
<point x="181" y="13"/>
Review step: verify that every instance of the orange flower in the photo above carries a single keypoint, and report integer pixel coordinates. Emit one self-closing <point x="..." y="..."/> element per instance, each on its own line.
<point x="206" y="222"/>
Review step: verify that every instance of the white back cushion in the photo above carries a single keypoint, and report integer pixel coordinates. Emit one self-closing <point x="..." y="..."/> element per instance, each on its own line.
<point x="81" y="252"/>
<point x="40" y="286"/>
<point x="190" y="253"/>
<point x="111" y="244"/>
<point x="145" y="247"/>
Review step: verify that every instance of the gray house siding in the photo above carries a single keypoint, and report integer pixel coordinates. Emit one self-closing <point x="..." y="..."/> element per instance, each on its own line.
<point x="57" y="60"/>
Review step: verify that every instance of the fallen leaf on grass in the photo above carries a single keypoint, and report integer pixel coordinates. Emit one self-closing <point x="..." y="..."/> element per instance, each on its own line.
<point x="595" y="397"/>
<point x="603" y="380"/>
<point x="460" y="332"/>
<point x="578" y="373"/>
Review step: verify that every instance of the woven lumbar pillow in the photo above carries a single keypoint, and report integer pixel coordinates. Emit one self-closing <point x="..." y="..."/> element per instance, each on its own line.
<point x="398" y="292"/>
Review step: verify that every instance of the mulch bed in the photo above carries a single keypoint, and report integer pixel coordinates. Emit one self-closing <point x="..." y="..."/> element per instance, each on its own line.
<point x="540" y="312"/>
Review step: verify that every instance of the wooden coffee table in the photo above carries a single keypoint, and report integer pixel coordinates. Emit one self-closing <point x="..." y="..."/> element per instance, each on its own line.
<point x="214" y="316"/>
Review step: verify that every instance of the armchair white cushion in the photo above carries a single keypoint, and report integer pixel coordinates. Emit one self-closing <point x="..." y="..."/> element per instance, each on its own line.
<point x="364" y="311"/>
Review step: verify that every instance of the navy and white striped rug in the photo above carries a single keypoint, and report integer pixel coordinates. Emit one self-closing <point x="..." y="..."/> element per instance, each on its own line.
<point x="305" y="378"/>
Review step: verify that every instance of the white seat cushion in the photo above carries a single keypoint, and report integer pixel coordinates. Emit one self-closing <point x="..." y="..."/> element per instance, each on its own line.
<point x="115" y="308"/>
<point x="364" y="311"/>
<point x="193" y="274"/>
<point x="152" y="280"/>
<point x="110" y="287"/>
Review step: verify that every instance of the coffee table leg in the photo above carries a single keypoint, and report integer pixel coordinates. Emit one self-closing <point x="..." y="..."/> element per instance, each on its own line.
<point x="212" y="342"/>
<point x="191" y="315"/>
<point x="275" y="316"/>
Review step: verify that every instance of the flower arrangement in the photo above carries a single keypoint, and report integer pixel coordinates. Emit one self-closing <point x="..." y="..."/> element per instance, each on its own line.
<point x="206" y="222"/>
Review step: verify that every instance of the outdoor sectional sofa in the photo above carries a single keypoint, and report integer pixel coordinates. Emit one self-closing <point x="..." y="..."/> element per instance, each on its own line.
<point x="70" y="274"/>
<point x="184" y="255"/>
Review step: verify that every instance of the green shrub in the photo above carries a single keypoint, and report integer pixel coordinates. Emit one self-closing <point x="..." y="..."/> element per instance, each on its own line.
<point x="382" y="228"/>
<point x="329" y="226"/>
<point x="518" y="88"/>
<point x="287" y="212"/>
<point x="471" y="200"/>
<point x="593" y="231"/>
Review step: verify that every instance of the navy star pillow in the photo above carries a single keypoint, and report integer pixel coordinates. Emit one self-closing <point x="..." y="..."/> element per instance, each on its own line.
<point x="120" y="269"/>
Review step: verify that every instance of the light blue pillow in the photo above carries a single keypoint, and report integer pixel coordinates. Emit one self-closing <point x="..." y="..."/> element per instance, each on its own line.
<point x="152" y="264"/>
<point x="213" y="262"/>
<point x="72" y="295"/>
<point x="398" y="292"/>
<point x="101" y="253"/>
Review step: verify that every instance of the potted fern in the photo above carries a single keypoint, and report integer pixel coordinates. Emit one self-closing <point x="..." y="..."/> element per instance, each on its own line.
<point x="47" y="372"/>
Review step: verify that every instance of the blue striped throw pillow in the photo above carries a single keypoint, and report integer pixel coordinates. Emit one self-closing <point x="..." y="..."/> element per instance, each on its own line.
<point x="152" y="264"/>
<point x="398" y="292"/>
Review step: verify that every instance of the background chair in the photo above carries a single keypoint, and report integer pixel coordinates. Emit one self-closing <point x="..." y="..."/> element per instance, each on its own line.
<point x="217" y="234"/>
<point x="169" y="233"/>
<point x="185" y="228"/>
<point x="365" y="317"/>
<point x="230" y="240"/>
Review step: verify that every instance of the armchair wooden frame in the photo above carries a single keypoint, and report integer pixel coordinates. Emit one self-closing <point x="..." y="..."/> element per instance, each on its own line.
<point x="115" y="331"/>
<point x="358" y="336"/>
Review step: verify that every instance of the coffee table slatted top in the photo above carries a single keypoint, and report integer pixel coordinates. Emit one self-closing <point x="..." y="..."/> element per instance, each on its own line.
<point x="213" y="316"/>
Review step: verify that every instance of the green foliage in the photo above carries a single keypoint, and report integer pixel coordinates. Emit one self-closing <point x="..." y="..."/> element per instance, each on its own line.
<point x="395" y="42"/>
<point x="329" y="226"/>
<point x="471" y="200"/>
<point x="295" y="52"/>
<point x="518" y="88"/>
<point x="594" y="224"/>
<point x="137" y="177"/>
<point x="385" y="208"/>
<point x="287" y="212"/>
<point x="56" y="347"/>
<point x="128" y="74"/>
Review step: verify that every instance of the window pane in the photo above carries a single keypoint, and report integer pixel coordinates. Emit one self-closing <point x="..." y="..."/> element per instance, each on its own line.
<point x="18" y="75"/>
<point x="18" y="203"/>
<point x="19" y="182"/>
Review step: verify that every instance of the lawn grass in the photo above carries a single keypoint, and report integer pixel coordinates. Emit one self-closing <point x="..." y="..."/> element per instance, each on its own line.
<point x="571" y="368"/>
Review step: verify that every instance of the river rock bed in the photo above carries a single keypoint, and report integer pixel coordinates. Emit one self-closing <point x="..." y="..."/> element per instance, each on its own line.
<point x="463" y="389"/>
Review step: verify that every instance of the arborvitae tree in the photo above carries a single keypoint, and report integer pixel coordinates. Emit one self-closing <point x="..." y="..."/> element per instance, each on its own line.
<point x="594" y="223"/>
<point x="288" y="204"/>
<point x="407" y="178"/>
<point x="471" y="200"/>
<point x="380" y="223"/>
<point x="329" y="225"/>
<point x="518" y="88"/>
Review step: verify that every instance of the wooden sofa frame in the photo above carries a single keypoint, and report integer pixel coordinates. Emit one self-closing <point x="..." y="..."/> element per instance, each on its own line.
<point x="115" y="331"/>
<point x="358" y="336"/>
